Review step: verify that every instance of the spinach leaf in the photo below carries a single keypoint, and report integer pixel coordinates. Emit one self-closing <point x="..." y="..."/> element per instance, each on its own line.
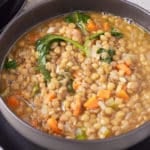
<point x="101" y="50"/>
<point x="95" y="35"/>
<point x="116" y="33"/>
<point x="110" y="54"/>
<point x="78" y="18"/>
<point x="43" y="47"/>
<point x="10" y="64"/>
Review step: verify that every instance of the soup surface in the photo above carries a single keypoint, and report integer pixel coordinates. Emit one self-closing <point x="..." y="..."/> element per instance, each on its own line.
<point x="85" y="75"/>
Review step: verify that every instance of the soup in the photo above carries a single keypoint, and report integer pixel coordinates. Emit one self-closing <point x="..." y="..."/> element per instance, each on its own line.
<point x="83" y="76"/>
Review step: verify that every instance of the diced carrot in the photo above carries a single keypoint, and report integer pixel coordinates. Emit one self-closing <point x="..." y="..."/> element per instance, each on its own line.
<point x="125" y="68"/>
<point x="104" y="94"/>
<point x="91" y="26"/>
<point x="128" y="62"/>
<point x="77" y="109"/>
<point x="52" y="96"/>
<point x="122" y="94"/>
<point x="106" y="26"/>
<point x="13" y="102"/>
<point x="53" y="124"/>
<point x="91" y="103"/>
<point x="75" y="85"/>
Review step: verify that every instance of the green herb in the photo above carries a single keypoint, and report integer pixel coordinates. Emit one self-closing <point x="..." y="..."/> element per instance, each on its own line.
<point x="70" y="86"/>
<point x="36" y="89"/>
<point x="101" y="50"/>
<point x="90" y="38"/>
<point x="10" y="64"/>
<point x="110" y="54"/>
<point x="95" y="35"/>
<point x="81" y="136"/>
<point x="116" y="33"/>
<point x="43" y="47"/>
<point x="78" y="18"/>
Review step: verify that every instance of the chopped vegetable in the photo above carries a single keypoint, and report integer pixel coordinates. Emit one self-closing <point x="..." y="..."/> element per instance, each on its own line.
<point x="106" y="26"/>
<point x="53" y="124"/>
<point x="43" y="47"/>
<point x="10" y="64"/>
<point x="116" y="33"/>
<point x="91" y="103"/>
<point x="78" y="18"/>
<point x="52" y="95"/>
<point x="109" y="55"/>
<point x="125" y="68"/>
<point x="75" y="85"/>
<point x="95" y="35"/>
<point x="77" y="109"/>
<point x="81" y="135"/>
<point x="36" y="89"/>
<point x="104" y="94"/>
<point x="91" y="37"/>
<point x="91" y="26"/>
<point x="122" y="94"/>
<point x="70" y="86"/>
<point x="13" y="102"/>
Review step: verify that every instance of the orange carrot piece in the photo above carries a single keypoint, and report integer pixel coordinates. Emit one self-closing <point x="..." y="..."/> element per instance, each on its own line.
<point x="53" y="124"/>
<point x="128" y="63"/>
<point x="91" y="26"/>
<point x="13" y="102"/>
<point x="106" y="26"/>
<point x="52" y="96"/>
<point x="125" y="68"/>
<point x="91" y="103"/>
<point x="122" y="94"/>
<point x="104" y="94"/>
<point x="77" y="109"/>
<point x="75" y="85"/>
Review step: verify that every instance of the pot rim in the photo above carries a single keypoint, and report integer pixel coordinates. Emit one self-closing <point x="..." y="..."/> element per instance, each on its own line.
<point x="39" y="132"/>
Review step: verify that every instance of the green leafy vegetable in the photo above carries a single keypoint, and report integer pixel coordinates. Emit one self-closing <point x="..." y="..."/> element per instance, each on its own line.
<point x="70" y="86"/>
<point x="78" y="18"/>
<point x="43" y="47"/>
<point x="95" y="35"/>
<point x="81" y="135"/>
<point x="36" y="89"/>
<point x="116" y="33"/>
<point x="109" y="55"/>
<point x="91" y="37"/>
<point x="10" y="64"/>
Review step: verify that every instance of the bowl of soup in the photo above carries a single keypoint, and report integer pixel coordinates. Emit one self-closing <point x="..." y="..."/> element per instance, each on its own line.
<point x="78" y="77"/>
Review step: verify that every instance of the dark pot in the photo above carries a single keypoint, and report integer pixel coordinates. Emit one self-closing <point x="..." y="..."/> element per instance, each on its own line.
<point x="52" y="8"/>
